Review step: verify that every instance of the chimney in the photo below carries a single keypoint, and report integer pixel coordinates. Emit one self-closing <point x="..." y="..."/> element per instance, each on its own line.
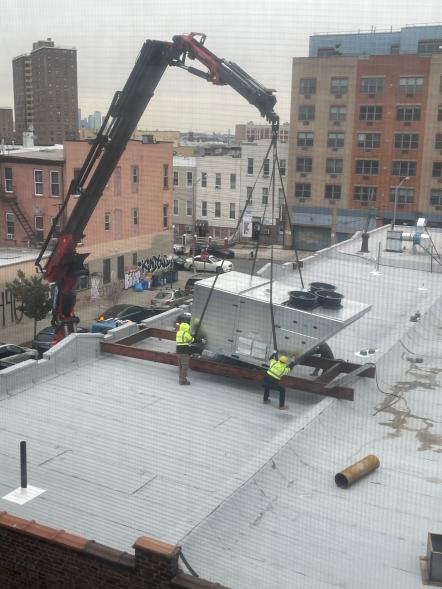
<point x="28" y="139"/>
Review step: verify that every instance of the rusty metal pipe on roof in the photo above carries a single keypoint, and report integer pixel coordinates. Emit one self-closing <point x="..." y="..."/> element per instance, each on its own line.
<point x="356" y="471"/>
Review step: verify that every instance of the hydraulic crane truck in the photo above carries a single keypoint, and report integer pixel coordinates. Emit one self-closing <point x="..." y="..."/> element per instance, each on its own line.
<point x="65" y="265"/>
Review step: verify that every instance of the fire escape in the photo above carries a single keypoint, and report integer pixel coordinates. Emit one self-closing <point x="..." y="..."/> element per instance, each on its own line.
<point x="10" y="198"/>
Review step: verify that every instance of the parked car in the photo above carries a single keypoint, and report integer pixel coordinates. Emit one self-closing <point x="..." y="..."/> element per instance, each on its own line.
<point x="169" y="298"/>
<point x="178" y="262"/>
<point x="45" y="339"/>
<point x="190" y="283"/>
<point x="179" y="249"/>
<point x="213" y="250"/>
<point x="11" y="354"/>
<point x="125" y="312"/>
<point x="211" y="264"/>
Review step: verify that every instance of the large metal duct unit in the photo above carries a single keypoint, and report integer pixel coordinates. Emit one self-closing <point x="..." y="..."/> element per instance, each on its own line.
<point x="237" y="321"/>
<point x="396" y="237"/>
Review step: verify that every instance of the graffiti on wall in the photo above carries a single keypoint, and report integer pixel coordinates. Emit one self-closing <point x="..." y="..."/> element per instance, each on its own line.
<point x="156" y="263"/>
<point x="9" y="311"/>
<point x="131" y="277"/>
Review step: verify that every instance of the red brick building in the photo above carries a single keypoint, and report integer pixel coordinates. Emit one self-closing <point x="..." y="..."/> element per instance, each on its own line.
<point x="132" y="220"/>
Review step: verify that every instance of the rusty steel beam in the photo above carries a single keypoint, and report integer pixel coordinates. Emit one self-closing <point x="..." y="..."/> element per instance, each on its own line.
<point x="218" y="368"/>
<point x="312" y="361"/>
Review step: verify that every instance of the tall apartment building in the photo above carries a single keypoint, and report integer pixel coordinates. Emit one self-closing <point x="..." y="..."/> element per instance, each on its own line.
<point x="6" y="125"/>
<point x="253" y="132"/>
<point x="45" y="93"/>
<point x="184" y="197"/>
<point x="365" y="132"/>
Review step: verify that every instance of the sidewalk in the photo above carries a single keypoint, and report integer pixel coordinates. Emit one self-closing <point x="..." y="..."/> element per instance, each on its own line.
<point x="23" y="332"/>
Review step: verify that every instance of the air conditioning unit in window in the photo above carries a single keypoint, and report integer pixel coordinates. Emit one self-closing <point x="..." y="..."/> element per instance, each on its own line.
<point x="303" y="174"/>
<point x="334" y="149"/>
<point x="303" y="200"/>
<point x="371" y="95"/>
<point x="333" y="175"/>
<point x="364" y="203"/>
<point x="306" y="122"/>
<point x="404" y="151"/>
<point x="337" y="123"/>
<point x="409" y="94"/>
<point x="400" y="206"/>
<point x="10" y="236"/>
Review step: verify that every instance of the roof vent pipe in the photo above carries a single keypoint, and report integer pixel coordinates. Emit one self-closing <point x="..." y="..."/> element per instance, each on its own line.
<point x="356" y="471"/>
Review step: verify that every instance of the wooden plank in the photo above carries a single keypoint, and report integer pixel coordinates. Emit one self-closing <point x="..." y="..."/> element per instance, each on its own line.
<point x="218" y="368"/>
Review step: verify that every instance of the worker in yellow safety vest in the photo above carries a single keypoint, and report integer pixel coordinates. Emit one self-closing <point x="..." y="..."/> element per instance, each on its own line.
<point x="279" y="366"/>
<point x="184" y="341"/>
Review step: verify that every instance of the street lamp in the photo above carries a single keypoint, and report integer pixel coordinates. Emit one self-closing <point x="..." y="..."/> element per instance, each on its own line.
<point x="395" y="198"/>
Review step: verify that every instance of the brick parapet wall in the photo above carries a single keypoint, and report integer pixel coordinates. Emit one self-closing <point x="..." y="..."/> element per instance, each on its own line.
<point x="33" y="556"/>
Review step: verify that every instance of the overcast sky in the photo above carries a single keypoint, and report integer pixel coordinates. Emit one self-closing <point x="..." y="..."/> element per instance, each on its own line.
<point x="261" y="36"/>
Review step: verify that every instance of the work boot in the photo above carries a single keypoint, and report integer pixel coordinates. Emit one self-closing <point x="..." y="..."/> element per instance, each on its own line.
<point x="185" y="382"/>
<point x="283" y="407"/>
<point x="266" y="401"/>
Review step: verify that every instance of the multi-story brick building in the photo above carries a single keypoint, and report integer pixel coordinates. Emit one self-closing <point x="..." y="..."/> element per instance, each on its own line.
<point x="184" y="195"/>
<point x="255" y="132"/>
<point x="6" y="125"/>
<point x="132" y="219"/>
<point x="366" y="133"/>
<point x="45" y="93"/>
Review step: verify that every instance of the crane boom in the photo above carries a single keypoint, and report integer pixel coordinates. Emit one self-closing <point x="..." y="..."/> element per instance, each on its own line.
<point x="65" y="264"/>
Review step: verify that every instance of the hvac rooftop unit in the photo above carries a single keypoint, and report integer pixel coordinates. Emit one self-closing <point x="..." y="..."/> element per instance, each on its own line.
<point x="237" y="319"/>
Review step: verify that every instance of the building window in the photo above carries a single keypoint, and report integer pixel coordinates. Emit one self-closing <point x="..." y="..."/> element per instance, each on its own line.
<point x="232" y="181"/>
<point x="120" y="268"/>
<point x="332" y="191"/>
<point x="218" y="181"/>
<point x="411" y="84"/>
<point x="436" y="197"/>
<point x="403" y="168"/>
<point x="55" y="183"/>
<point x="117" y="181"/>
<point x="56" y="227"/>
<point x="327" y="51"/>
<point x="408" y="113"/>
<point x="203" y="179"/>
<point x="232" y="212"/>
<point x="282" y="167"/>
<point x="304" y="164"/>
<point x="307" y="86"/>
<point x="429" y="46"/>
<point x="367" y="167"/>
<point x="10" y="226"/>
<point x="334" y="166"/>
<point x="365" y="193"/>
<point x="437" y="169"/>
<point x="204" y="208"/>
<point x="134" y="259"/>
<point x="370" y="112"/>
<point x="303" y="190"/>
<point x="106" y="271"/>
<point x="266" y="168"/>
<point x="439" y="113"/>
<point x="404" y="195"/>
<point x="39" y="227"/>
<point x="38" y="182"/>
<point x="265" y="195"/>
<point x="371" y="85"/>
<point x="250" y="165"/>
<point x="335" y="140"/>
<point x="305" y="139"/>
<point x="339" y="86"/>
<point x="369" y="140"/>
<point x="395" y="48"/>
<point x="175" y="179"/>
<point x="249" y="195"/>
<point x="438" y="141"/>
<point x="175" y="206"/>
<point x="135" y="178"/>
<point x="107" y="221"/>
<point x="218" y="209"/>
<point x="189" y="208"/>
<point x="406" y="140"/>
<point x="8" y="180"/>
<point x="165" y="176"/>
<point x="135" y="217"/>
<point x="83" y="282"/>
<point x="189" y="177"/>
<point x="281" y="198"/>
<point x="306" y="112"/>
<point x="337" y="113"/>
<point x="165" y="216"/>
